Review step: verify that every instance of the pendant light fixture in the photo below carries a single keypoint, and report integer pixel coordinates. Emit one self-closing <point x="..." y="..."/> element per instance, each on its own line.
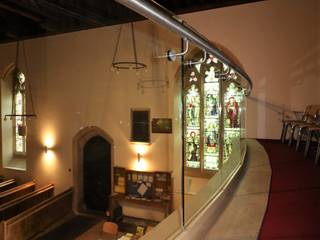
<point x="21" y="86"/>
<point x="158" y="78"/>
<point x="133" y="64"/>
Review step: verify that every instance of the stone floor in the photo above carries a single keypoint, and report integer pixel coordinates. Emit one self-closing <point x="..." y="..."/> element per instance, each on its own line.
<point x="242" y="218"/>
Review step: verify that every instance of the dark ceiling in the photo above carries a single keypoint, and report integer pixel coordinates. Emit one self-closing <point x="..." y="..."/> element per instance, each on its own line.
<point x="24" y="19"/>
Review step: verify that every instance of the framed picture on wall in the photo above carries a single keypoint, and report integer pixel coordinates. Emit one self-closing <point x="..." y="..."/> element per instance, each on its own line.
<point x="161" y="125"/>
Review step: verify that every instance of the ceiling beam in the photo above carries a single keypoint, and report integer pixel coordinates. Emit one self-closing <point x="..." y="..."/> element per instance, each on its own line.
<point x="21" y="12"/>
<point x="89" y="20"/>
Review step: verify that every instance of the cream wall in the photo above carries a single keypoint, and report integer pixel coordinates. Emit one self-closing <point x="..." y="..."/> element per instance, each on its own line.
<point x="73" y="87"/>
<point x="277" y="42"/>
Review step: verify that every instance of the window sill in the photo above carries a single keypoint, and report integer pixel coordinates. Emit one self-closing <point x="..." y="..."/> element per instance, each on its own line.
<point x="15" y="168"/>
<point x="17" y="163"/>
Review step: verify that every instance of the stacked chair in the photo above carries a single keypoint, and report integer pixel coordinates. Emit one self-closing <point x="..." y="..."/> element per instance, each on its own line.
<point x="305" y="129"/>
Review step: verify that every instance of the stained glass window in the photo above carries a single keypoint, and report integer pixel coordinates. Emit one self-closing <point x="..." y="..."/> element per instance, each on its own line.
<point x="212" y="110"/>
<point x="211" y="119"/>
<point x="202" y="115"/>
<point x="19" y="121"/>
<point x="192" y="110"/>
<point x="233" y="99"/>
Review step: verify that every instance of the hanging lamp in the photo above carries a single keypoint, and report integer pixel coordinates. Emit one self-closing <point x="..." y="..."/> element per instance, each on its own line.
<point x="22" y="86"/>
<point x="155" y="81"/>
<point x="127" y="64"/>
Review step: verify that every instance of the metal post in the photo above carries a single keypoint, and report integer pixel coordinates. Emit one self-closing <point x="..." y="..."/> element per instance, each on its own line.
<point x="182" y="135"/>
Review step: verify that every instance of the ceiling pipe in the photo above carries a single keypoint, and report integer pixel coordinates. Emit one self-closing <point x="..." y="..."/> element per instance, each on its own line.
<point x="162" y="16"/>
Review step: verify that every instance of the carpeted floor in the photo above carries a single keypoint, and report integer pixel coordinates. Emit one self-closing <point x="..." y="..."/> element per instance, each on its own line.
<point x="293" y="210"/>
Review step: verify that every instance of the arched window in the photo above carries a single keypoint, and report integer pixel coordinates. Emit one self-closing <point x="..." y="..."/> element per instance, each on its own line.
<point x="19" y="108"/>
<point x="212" y="106"/>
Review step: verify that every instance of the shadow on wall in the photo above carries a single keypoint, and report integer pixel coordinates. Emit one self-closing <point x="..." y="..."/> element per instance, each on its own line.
<point x="304" y="78"/>
<point x="283" y="112"/>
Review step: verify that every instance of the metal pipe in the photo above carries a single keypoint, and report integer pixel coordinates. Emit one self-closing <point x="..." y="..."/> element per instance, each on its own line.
<point x="162" y="16"/>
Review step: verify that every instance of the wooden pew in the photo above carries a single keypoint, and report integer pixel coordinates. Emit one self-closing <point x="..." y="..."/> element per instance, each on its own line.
<point x="17" y="191"/>
<point x="18" y="205"/>
<point x="5" y="185"/>
<point x="35" y="220"/>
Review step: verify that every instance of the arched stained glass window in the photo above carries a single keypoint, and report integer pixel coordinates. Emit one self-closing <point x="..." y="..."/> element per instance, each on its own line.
<point x="211" y="119"/>
<point x="233" y="100"/>
<point x="213" y="100"/>
<point x="202" y="99"/>
<point x="19" y="122"/>
<point x="192" y="120"/>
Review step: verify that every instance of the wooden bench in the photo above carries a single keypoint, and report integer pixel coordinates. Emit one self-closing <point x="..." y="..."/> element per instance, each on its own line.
<point x="18" y="205"/>
<point x="7" y="184"/>
<point x="35" y="220"/>
<point x="16" y="192"/>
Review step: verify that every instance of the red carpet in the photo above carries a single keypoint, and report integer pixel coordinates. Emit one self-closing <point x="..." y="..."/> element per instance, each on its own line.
<point x="293" y="210"/>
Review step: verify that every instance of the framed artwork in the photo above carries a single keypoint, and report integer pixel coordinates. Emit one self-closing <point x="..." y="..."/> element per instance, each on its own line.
<point x="161" y="125"/>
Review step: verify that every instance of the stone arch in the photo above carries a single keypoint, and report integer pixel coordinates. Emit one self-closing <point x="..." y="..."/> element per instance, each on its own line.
<point x="7" y="71"/>
<point x="78" y="143"/>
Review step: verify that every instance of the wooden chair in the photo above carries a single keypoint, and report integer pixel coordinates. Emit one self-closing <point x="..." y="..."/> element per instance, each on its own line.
<point x="308" y="128"/>
<point x="313" y="132"/>
<point x="288" y="123"/>
<point x="109" y="231"/>
<point x="308" y="119"/>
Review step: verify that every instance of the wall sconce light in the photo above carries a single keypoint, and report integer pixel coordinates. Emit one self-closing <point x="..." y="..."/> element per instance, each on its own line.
<point x="139" y="162"/>
<point x="46" y="149"/>
<point x="48" y="153"/>
<point x="139" y="156"/>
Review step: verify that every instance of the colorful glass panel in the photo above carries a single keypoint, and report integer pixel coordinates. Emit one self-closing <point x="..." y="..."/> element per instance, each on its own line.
<point x="233" y="98"/>
<point x="20" y="141"/>
<point x="211" y="120"/>
<point x="192" y="110"/>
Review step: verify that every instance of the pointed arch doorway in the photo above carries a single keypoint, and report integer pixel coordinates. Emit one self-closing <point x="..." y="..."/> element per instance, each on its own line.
<point x="92" y="164"/>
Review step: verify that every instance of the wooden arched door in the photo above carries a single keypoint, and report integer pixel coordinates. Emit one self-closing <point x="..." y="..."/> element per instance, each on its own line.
<point x="97" y="173"/>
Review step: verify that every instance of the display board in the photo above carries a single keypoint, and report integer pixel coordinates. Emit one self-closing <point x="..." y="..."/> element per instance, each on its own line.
<point x="139" y="184"/>
<point x="162" y="186"/>
<point x="119" y="179"/>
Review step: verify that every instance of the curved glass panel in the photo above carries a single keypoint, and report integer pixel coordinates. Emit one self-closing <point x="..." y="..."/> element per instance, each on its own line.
<point x="220" y="100"/>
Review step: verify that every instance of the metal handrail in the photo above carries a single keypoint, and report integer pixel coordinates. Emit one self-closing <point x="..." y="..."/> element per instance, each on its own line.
<point x="162" y="16"/>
